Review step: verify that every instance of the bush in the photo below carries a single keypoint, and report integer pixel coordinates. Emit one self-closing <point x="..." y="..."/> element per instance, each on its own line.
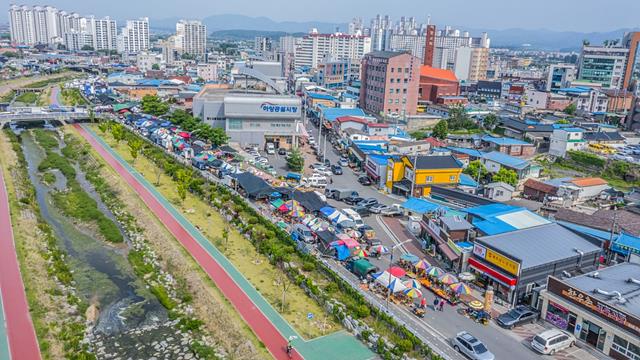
<point x="308" y="266"/>
<point x="586" y="159"/>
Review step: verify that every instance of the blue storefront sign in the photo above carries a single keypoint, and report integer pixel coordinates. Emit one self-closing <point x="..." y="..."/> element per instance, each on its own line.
<point x="274" y="108"/>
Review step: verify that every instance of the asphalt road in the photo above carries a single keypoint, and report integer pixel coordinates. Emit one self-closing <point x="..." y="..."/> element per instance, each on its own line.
<point x="440" y="326"/>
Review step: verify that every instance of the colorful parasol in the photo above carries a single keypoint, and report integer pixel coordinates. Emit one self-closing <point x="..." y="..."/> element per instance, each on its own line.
<point x="412" y="283"/>
<point x="360" y="252"/>
<point x="422" y="264"/>
<point x="448" y="279"/>
<point x="397" y="271"/>
<point x="395" y="286"/>
<point x="379" y="249"/>
<point x="410" y="258"/>
<point x="412" y="292"/>
<point x="297" y="212"/>
<point x="383" y="278"/>
<point x="434" y="271"/>
<point x="460" y="288"/>
<point x="291" y="204"/>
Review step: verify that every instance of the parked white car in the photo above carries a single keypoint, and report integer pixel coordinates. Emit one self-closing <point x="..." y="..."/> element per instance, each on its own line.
<point x="551" y="341"/>
<point x="322" y="171"/>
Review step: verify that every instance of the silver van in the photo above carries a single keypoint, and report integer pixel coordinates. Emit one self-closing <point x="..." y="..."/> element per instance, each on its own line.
<point x="551" y="341"/>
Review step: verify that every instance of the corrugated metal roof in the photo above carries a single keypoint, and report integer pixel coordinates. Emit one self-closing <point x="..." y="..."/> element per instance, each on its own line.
<point x="540" y="245"/>
<point x="506" y="160"/>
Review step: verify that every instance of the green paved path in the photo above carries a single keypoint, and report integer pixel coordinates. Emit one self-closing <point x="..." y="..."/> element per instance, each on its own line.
<point x="4" y="343"/>
<point x="338" y="345"/>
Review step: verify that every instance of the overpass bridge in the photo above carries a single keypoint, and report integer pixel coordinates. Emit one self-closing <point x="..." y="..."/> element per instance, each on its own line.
<point x="36" y="114"/>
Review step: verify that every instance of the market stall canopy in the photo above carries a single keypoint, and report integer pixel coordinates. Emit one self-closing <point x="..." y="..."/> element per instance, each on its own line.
<point x="327" y="211"/>
<point x="254" y="186"/>
<point x="397" y="271"/>
<point x="362" y="267"/>
<point x="460" y="289"/>
<point x="396" y="286"/>
<point x="448" y="279"/>
<point x="383" y="278"/>
<point x="410" y="258"/>
<point x="309" y="200"/>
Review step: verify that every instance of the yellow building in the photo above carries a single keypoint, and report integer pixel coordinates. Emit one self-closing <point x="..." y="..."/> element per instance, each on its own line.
<point x="430" y="170"/>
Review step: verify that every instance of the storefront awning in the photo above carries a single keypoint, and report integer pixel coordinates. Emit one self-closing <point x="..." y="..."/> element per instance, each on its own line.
<point x="447" y="252"/>
<point x="495" y="275"/>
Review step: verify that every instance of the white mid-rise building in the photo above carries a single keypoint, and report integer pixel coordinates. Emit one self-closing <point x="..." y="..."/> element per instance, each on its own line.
<point x="315" y="47"/>
<point x="134" y="37"/>
<point x="408" y="42"/>
<point x="566" y="139"/>
<point x="207" y="71"/>
<point x="191" y="37"/>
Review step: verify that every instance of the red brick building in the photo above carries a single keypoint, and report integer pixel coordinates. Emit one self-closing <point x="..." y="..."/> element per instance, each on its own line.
<point x="389" y="83"/>
<point x="436" y="83"/>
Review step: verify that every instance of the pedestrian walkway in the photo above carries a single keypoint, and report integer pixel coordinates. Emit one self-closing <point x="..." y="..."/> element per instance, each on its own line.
<point x="270" y="327"/>
<point x="17" y="332"/>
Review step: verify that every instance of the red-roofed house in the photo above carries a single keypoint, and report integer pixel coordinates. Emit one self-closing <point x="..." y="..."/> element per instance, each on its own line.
<point x="351" y="122"/>
<point x="435" y="142"/>
<point x="436" y="83"/>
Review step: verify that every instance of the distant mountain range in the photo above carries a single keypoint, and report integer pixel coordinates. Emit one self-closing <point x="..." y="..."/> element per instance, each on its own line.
<point x="245" y="27"/>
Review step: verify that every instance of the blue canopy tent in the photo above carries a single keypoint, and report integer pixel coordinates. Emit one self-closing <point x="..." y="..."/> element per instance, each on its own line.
<point x="342" y="252"/>
<point x="327" y="211"/>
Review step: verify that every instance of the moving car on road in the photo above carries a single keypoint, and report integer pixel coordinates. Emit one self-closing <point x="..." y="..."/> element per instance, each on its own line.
<point x="393" y="210"/>
<point x="552" y="341"/>
<point x="517" y="316"/>
<point x="343" y="161"/>
<point x="468" y="345"/>
<point x="336" y="169"/>
<point x="316" y="165"/>
<point x="364" y="180"/>
<point x="376" y="209"/>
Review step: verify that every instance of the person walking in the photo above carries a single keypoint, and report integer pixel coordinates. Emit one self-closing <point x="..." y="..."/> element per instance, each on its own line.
<point x="423" y="303"/>
<point x="441" y="305"/>
<point x="435" y="304"/>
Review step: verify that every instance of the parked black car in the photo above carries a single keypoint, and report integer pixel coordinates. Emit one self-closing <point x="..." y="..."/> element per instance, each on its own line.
<point x="364" y="180"/>
<point x="282" y="151"/>
<point x="517" y="316"/>
<point x="362" y="210"/>
<point x="336" y="169"/>
<point x="351" y="200"/>
<point x="327" y="162"/>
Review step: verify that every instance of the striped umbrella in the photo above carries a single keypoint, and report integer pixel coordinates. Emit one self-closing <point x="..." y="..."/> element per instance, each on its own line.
<point x="379" y="249"/>
<point x="460" y="288"/>
<point x="434" y="271"/>
<point x="421" y="264"/>
<point x="448" y="279"/>
<point x="412" y="283"/>
<point x="412" y="292"/>
<point x="361" y="253"/>
<point x="396" y="285"/>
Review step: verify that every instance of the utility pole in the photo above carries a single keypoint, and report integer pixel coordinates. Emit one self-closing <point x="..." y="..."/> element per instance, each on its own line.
<point x="415" y="165"/>
<point x="613" y="229"/>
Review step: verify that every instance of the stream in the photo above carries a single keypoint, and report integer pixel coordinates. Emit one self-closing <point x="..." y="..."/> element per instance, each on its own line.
<point x="128" y="313"/>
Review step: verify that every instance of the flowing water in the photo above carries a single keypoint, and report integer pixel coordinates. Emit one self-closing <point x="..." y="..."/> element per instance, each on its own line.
<point x="102" y="273"/>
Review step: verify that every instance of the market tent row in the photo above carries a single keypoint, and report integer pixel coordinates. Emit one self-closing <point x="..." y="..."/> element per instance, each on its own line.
<point x="254" y="186"/>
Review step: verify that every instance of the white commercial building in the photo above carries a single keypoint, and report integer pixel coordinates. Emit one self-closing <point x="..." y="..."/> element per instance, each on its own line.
<point x="314" y="47"/>
<point x="252" y="119"/>
<point x="603" y="65"/>
<point x="191" y="37"/>
<point x="134" y="37"/>
<point x="560" y="76"/>
<point x="145" y="60"/>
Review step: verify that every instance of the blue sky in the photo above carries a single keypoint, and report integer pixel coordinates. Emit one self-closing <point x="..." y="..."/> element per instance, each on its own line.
<point x="573" y="15"/>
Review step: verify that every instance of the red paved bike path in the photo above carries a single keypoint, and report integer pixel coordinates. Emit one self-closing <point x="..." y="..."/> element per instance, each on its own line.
<point x="21" y="334"/>
<point x="261" y="326"/>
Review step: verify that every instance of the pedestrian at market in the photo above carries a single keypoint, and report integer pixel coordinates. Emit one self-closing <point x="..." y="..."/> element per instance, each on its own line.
<point x="441" y="305"/>
<point x="423" y="303"/>
<point x="435" y="304"/>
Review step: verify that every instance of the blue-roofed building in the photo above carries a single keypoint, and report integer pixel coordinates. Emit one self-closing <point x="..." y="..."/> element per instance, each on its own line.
<point x="331" y="114"/>
<point x="417" y="206"/>
<point x="361" y="149"/>
<point x="314" y="99"/>
<point x="499" y="218"/>
<point x="376" y="167"/>
<point x="473" y="153"/>
<point x="496" y="160"/>
<point x="467" y="183"/>
<point x="509" y="146"/>
<point x="626" y="244"/>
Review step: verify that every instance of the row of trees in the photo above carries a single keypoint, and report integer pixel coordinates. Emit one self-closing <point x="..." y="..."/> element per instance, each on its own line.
<point x="153" y="105"/>
<point x="458" y="120"/>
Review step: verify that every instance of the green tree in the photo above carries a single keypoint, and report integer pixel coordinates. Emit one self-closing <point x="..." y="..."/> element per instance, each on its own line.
<point x="570" y="109"/>
<point x="135" y="145"/>
<point x="225" y="236"/>
<point x="184" y="178"/>
<point x="490" y="121"/>
<point x="441" y="130"/>
<point x="151" y="104"/>
<point x="103" y="127"/>
<point x="118" y="132"/>
<point x="506" y="176"/>
<point x="155" y="67"/>
<point x="474" y="167"/>
<point x="418" y="134"/>
<point x="295" y="161"/>
<point x="562" y="121"/>
<point x="459" y="119"/>
<point x="87" y="48"/>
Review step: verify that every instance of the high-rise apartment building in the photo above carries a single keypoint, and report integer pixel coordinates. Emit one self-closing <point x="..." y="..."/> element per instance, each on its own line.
<point x="262" y="44"/>
<point x="603" y="65"/>
<point x="315" y="47"/>
<point x="191" y="37"/>
<point x="413" y="43"/>
<point x="134" y="37"/>
<point x="33" y="25"/>
<point x="389" y="83"/>
<point x="104" y="33"/>
<point x="448" y="40"/>
<point x="631" y="77"/>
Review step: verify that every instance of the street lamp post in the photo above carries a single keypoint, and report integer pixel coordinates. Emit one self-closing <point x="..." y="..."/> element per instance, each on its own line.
<point x="391" y="263"/>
